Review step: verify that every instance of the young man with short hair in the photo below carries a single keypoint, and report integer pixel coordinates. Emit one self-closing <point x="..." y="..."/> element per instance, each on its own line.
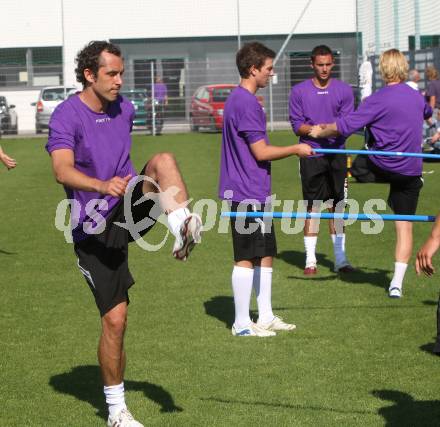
<point x="245" y="180"/>
<point x="89" y="143"/>
<point x="322" y="99"/>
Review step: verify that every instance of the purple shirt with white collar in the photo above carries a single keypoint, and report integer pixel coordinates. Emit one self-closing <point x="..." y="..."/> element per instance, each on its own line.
<point x="244" y="123"/>
<point x="311" y="105"/>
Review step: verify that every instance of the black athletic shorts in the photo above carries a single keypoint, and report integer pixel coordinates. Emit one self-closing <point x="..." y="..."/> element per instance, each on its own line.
<point x="404" y="189"/>
<point x="103" y="258"/>
<point x="252" y="237"/>
<point x="324" y="178"/>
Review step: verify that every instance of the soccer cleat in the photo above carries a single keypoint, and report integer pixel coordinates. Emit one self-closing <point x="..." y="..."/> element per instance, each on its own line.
<point x="345" y="267"/>
<point x="188" y="237"/>
<point x="277" y="324"/>
<point x="123" y="419"/>
<point x="310" y="269"/>
<point x="253" y="330"/>
<point x="395" y="292"/>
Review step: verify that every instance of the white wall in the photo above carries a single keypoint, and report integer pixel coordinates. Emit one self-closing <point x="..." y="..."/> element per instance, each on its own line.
<point x="38" y="23"/>
<point x="429" y="22"/>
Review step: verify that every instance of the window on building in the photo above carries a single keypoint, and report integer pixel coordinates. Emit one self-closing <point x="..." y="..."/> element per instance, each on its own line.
<point x="30" y="67"/>
<point x="426" y="42"/>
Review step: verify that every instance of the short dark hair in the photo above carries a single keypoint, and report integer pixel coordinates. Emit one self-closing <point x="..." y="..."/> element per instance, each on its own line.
<point x="88" y="57"/>
<point x="252" y="54"/>
<point x="320" y="50"/>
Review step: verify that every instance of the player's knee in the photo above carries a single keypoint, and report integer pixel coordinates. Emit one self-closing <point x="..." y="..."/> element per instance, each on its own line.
<point x="115" y="323"/>
<point x="164" y="161"/>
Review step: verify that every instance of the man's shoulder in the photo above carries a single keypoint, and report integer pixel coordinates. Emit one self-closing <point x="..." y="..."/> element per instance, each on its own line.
<point x="341" y="84"/>
<point x="67" y="109"/>
<point x="241" y="99"/>
<point x="298" y="88"/>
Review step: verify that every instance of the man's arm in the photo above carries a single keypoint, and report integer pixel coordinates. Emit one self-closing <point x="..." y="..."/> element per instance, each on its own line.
<point x="427" y="251"/>
<point x="324" y="131"/>
<point x="262" y="151"/>
<point x="296" y="115"/>
<point x="304" y="130"/>
<point x="66" y="174"/>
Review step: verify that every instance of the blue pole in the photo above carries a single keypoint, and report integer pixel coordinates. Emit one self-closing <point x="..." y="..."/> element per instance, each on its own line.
<point x="323" y="215"/>
<point x="376" y="153"/>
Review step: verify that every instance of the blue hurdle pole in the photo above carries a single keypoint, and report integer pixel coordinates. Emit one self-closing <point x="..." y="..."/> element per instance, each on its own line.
<point x="375" y="152"/>
<point x="324" y="215"/>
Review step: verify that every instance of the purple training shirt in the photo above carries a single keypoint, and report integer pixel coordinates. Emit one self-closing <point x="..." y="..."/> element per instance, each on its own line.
<point x="311" y="105"/>
<point x="160" y="91"/>
<point x="244" y="123"/>
<point x="394" y="115"/>
<point x="101" y="144"/>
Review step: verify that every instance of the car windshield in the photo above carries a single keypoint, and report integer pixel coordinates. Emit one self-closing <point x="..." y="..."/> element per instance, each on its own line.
<point x="134" y="96"/>
<point x="221" y="94"/>
<point x="56" y="94"/>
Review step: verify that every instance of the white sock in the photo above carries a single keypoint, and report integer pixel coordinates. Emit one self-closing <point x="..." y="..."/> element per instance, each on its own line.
<point x="114" y="396"/>
<point x="399" y="274"/>
<point x="310" y="246"/>
<point x="242" y="287"/>
<point x="263" y="289"/>
<point x="176" y="218"/>
<point x="339" y="248"/>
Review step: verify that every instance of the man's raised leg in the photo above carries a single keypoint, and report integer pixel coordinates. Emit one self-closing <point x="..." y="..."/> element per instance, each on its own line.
<point x="162" y="168"/>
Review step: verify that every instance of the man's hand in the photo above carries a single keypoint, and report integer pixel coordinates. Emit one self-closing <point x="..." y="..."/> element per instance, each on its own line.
<point x="316" y="130"/>
<point x="435" y="138"/>
<point x="304" y="150"/>
<point x="424" y="256"/>
<point x="8" y="161"/>
<point x="115" y="187"/>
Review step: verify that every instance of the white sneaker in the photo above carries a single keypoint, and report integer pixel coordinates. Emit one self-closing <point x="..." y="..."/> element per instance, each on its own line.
<point x="395" y="292"/>
<point x="253" y="330"/>
<point x="277" y="324"/>
<point x="123" y="419"/>
<point x="188" y="236"/>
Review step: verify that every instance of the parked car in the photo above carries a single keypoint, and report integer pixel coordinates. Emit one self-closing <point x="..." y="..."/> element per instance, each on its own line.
<point x="207" y="105"/>
<point x="48" y="99"/>
<point x="137" y="98"/>
<point x="8" y="117"/>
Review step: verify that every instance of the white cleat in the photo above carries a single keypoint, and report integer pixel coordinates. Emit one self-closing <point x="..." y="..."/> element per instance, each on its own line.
<point x="123" y="419"/>
<point x="277" y="324"/>
<point x="253" y="330"/>
<point x="395" y="292"/>
<point x="189" y="236"/>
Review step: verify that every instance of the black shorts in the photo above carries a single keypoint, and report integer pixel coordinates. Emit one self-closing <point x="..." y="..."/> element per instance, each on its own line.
<point x="103" y="258"/>
<point x="404" y="189"/>
<point x="324" y="178"/>
<point x="252" y="237"/>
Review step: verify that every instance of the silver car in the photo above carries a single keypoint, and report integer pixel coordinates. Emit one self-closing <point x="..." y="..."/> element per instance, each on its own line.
<point x="48" y="99"/>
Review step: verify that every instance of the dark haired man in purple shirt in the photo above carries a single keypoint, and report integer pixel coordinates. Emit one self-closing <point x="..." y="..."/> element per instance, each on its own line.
<point x="245" y="181"/>
<point x="89" y="143"/>
<point x="322" y="99"/>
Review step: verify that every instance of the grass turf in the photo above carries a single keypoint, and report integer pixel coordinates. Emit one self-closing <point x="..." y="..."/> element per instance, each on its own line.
<point x="357" y="357"/>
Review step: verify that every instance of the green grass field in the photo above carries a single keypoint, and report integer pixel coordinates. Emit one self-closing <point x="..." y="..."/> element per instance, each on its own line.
<point x="357" y="357"/>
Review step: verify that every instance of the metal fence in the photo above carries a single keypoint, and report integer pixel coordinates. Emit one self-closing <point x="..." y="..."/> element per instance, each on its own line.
<point x="190" y="102"/>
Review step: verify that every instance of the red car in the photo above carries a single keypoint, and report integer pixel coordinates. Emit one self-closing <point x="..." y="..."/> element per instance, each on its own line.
<point x="207" y="105"/>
